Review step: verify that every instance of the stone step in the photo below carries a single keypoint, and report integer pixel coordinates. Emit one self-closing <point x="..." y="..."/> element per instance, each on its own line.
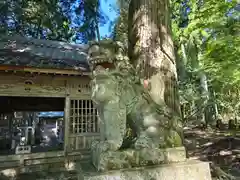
<point x="187" y="170"/>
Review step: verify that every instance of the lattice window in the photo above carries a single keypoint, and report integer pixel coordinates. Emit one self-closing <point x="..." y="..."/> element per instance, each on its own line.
<point x="84" y="117"/>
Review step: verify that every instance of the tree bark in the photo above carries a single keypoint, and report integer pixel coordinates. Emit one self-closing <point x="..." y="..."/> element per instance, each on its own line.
<point x="151" y="49"/>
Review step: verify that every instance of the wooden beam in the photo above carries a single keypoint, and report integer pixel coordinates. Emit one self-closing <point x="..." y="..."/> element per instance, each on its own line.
<point x="15" y="69"/>
<point x="31" y="104"/>
<point x="10" y="161"/>
<point x="17" y="157"/>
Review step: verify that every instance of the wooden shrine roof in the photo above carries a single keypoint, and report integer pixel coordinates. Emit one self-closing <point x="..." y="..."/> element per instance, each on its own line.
<point x="43" y="56"/>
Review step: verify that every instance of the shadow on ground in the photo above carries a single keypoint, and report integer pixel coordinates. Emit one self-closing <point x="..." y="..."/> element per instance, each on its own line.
<point x="221" y="148"/>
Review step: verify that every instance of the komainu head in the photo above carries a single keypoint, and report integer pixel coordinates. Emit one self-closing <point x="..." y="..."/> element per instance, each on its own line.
<point x="111" y="85"/>
<point x="104" y="85"/>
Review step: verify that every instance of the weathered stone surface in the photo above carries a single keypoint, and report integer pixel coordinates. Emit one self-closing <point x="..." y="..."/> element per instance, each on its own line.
<point x="110" y="160"/>
<point x="188" y="170"/>
<point x="124" y="104"/>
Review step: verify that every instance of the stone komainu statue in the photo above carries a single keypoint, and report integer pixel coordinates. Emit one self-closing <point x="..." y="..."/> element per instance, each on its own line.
<point x="123" y="102"/>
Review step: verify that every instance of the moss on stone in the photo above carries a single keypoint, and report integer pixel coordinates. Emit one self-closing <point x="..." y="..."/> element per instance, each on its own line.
<point x="172" y="139"/>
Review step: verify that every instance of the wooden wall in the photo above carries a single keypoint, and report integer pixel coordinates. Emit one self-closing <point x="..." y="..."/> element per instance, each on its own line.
<point x="43" y="85"/>
<point x="74" y="89"/>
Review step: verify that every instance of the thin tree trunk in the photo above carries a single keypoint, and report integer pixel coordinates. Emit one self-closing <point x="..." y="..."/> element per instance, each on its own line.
<point x="98" y="32"/>
<point x="97" y="23"/>
<point x="181" y="64"/>
<point x="215" y="106"/>
<point x="203" y="114"/>
<point x="204" y="93"/>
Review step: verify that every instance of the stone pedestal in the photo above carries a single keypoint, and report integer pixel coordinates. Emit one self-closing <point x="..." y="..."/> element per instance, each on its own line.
<point x="113" y="160"/>
<point x="146" y="164"/>
<point x="187" y="170"/>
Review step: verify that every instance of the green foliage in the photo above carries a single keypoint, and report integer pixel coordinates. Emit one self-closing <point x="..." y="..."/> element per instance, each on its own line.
<point x="206" y="37"/>
<point x="68" y="20"/>
<point x="34" y="18"/>
<point x="208" y="33"/>
<point x="120" y="30"/>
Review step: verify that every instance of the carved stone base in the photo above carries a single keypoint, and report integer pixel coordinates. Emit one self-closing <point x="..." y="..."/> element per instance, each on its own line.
<point x="188" y="170"/>
<point x="113" y="160"/>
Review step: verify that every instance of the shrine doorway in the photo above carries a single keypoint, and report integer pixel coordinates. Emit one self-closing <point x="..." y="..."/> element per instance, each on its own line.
<point x="31" y="124"/>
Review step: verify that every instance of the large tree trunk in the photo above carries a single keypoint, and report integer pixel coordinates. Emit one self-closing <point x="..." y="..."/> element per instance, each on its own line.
<point x="151" y="49"/>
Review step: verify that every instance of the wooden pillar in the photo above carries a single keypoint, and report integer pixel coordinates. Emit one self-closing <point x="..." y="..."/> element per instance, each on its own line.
<point x="66" y="124"/>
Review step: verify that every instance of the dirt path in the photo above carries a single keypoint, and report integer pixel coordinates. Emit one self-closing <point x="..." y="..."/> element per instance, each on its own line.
<point x="222" y="149"/>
